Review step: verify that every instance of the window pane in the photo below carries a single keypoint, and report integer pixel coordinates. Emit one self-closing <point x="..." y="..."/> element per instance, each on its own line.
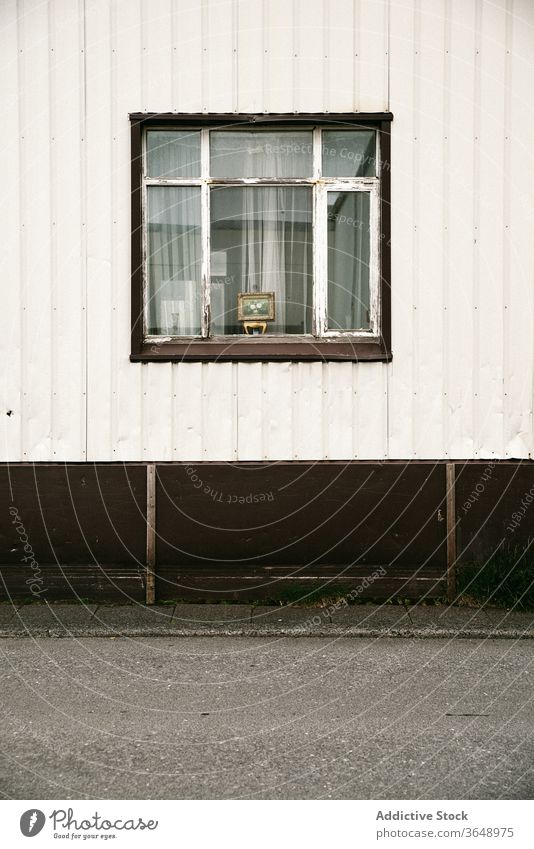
<point x="348" y="260"/>
<point x="349" y="153"/>
<point x="173" y="154"/>
<point x="261" y="154"/>
<point x="261" y="241"/>
<point x="174" y="264"/>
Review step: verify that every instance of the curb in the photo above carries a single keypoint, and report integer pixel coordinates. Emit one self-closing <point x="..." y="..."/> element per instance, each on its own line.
<point x="269" y="631"/>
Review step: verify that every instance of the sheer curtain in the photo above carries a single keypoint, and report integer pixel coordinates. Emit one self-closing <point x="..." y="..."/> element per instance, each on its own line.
<point x="266" y="235"/>
<point x="174" y="260"/>
<point x="348" y="260"/>
<point x="273" y="250"/>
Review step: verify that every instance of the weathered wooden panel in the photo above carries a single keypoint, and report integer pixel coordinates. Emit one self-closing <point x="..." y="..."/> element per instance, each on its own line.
<point x="73" y="514"/>
<point x="494" y="508"/>
<point x="292" y="583"/>
<point x="85" y="582"/>
<point x="13" y="257"/>
<point x="301" y="513"/>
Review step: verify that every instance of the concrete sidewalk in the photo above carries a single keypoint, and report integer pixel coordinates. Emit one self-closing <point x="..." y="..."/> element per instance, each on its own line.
<point x="189" y="620"/>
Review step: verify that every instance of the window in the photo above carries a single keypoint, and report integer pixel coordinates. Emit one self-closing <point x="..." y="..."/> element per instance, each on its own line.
<point x="260" y="237"/>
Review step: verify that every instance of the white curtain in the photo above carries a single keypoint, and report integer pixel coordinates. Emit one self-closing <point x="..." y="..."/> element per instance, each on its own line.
<point x="174" y="260"/>
<point x="265" y="233"/>
<point x="270" y="250"/>
<point x="348" y="260"/>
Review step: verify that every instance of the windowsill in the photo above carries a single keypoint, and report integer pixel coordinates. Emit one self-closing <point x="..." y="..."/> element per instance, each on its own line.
<point x="258" y="349"/>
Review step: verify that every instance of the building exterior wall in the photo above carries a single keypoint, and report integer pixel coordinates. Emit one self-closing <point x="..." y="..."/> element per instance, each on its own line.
<point x="458" y="77"/>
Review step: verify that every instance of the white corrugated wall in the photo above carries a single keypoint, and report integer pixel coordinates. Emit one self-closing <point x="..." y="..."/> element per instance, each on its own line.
<point x="458" y="76"/>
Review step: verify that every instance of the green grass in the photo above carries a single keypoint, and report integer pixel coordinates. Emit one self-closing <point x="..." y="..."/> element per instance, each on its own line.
<point x="506" y="579"/>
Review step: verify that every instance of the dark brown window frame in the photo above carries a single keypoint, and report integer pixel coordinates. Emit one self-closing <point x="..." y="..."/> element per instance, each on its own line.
<point x="256" y="348"/>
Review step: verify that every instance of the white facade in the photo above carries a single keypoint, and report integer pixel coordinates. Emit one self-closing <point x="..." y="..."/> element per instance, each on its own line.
<point x="458" y="76"/>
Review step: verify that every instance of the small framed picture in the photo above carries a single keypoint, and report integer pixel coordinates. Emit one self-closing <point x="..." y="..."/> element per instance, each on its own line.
<point x="255" y="305"/>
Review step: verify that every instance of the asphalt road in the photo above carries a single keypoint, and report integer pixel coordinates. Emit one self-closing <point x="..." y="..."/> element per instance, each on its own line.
<point x="225" y="717"/>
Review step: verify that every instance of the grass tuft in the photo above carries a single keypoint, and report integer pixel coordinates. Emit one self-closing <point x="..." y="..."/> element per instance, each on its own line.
<point x="506" y="579"/>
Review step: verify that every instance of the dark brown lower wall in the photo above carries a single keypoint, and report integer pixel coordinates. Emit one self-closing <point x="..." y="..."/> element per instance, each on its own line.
<point x="252" y="531"/>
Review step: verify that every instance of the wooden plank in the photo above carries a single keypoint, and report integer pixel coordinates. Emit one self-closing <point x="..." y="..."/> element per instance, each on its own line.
<point x="219" y="420"/>
<point x="150" y="533"/>
<point x="451" y="531"/>
<point x="36" y="226"/>
<point x="307" y="411"/>
<point x="13" y="241"/>
<point x="279" y="71"/>
<point x="81" y="582"/>
<point x="157" y="411"/>
<point x="220" y="63"/>
<point x="241" y="584"/>
<point x="403" y="193"/>
<point x="339" y="55"/>
<point x="187" y="57"/>
<point x="98" y="227"/>
<point x="429" y="403"/>
<point x="303" y="513"/>
<point x="187" y="411"/>
<point x="493" y="509"/>
<point x="371" y="411"/>
<point x="338" y="395"/>
<point x="75" y="513"/>
<point x="372" y="61"/>
<point x="126" y="399"/>
<point x="250" y="56"/>
<point x="488" y="362"/>
<point x="278" y="411"/>
<point x="518" y="244"/>
<point x="68" y="279"/>
<point x="157" y="55"/>
<point x="309" y="52"/>
<point x="460" y="193"/>
<point x="249" y="411"/>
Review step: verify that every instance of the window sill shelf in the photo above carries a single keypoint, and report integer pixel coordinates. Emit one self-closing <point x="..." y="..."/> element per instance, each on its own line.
<point x="261" y="350"/>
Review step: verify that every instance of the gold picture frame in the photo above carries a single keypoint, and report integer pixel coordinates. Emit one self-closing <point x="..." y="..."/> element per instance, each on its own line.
<point x="255" y="306"/>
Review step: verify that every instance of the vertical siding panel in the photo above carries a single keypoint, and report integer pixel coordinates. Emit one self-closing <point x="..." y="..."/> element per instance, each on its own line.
<point x="250" y="56"/>
<point x="372" y="411"/>
<point x="519" y="220"/>
<point x="309" y="54"/>
<point x="490" y="147"/>
<point x="339" y="38"/>
<point x="10" y="262"/>
<point x="429" y="144"/>
<point x="218" y="416"/>
<point x="279" y="67"/>
<point x="249" y="411"/>
<point x="278" y="411"/>
<point x="98" y="226"/>
<point x="460" y="231"/>
<point x="187" y="56"/>
<point x="157" y="50"/>
<point x="126" y="401"/>
<point x="68" y="291"/>
<point x="338" y="396"/>
<point x="157" y="401"/>
<point x="403" y="106"/>
<point x="187" y="413"/>
<point x="372" y="59"/>
<point x="219" y="56"/>
<point x="308" y="404"/>
<point x="37" y="370"/>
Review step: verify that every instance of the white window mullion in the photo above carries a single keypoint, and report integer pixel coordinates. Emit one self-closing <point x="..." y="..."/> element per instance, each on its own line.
<point x="320" y="237"/>
<point x="374" y="277"/>
<point x="205" y="233"/>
